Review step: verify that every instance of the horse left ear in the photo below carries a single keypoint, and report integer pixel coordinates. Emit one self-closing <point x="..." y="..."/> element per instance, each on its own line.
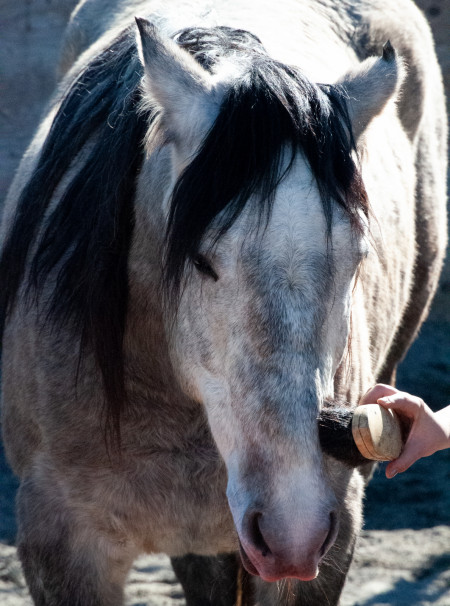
<point x="174" y="80"/>
<point x="370" y="86"/>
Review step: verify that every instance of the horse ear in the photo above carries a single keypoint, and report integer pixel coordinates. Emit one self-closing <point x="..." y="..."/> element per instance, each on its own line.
<point x="370" y="86"/>
<point x="175" y="81"/>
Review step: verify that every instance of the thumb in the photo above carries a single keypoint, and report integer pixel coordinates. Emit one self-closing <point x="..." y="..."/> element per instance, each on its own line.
<point x="410" y="454"/>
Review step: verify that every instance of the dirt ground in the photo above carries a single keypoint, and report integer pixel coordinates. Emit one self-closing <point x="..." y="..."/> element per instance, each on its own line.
<point x="403" y="556"/>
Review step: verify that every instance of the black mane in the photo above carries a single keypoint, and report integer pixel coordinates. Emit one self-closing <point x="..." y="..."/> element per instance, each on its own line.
<point x="86" y="238"/>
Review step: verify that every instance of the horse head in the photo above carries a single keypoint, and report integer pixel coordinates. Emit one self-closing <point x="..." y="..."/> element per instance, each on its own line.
<point x="264" y="285"/>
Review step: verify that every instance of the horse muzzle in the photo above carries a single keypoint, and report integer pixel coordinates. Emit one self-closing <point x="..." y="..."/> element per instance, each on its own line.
<point x="285" y="527"/>
<point x="272" y="554"/>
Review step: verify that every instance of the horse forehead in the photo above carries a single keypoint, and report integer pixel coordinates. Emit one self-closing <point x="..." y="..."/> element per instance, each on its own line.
<point x="297" y="226"/>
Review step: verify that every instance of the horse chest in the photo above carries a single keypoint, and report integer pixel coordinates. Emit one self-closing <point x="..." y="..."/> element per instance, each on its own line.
<point x="174" y="502"/>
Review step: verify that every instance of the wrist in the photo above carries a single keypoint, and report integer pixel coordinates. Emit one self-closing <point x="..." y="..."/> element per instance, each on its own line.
<point x="443" y="420"/>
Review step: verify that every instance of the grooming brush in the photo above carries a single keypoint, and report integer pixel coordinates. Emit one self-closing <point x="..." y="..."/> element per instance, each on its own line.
<point x="354" y="436"/>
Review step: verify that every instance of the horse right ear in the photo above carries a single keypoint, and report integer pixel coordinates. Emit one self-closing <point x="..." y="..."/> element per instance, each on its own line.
<point x="176" y="82"/>
<point x="370" y="86"/>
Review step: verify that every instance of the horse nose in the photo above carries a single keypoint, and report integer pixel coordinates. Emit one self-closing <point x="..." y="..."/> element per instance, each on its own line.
<point x="331" y="536"/>
<point x="254" y="533"/>
<point x="273" y="553"/>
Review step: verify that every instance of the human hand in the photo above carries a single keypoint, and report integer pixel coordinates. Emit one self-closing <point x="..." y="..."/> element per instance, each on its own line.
<point x="427" y="431"/>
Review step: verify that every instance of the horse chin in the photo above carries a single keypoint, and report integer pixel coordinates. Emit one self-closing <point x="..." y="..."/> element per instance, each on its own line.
<point x="272" y="576"/>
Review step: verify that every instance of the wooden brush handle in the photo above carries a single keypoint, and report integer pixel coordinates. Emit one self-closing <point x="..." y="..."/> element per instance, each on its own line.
<point x="377" y="432"/>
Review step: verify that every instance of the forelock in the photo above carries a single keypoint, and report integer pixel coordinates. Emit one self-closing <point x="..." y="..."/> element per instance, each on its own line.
<point x="268" y="109"/>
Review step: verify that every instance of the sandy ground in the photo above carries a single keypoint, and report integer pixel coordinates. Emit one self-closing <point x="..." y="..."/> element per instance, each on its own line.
<point x="402" y="568"/>
<point x="403" y="556"/>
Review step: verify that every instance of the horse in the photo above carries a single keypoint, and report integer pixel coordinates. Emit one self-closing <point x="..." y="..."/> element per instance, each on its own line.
<point x="231" y="218"/>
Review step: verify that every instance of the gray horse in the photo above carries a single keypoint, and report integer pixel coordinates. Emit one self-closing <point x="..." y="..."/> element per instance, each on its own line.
<point x="232" y="214"/>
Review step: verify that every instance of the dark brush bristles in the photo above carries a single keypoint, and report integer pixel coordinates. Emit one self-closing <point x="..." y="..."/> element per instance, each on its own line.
<point x="335" y="435"/>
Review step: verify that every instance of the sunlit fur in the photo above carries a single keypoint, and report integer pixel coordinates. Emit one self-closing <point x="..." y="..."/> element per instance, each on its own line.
<point x="88" y="243"/>
<point x="214" y="231"/>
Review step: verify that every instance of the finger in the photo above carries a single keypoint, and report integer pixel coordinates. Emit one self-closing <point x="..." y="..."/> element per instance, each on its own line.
<point x="378" y="391"/>
<point x="402" y="402"/>
<point x="410" y="455"/>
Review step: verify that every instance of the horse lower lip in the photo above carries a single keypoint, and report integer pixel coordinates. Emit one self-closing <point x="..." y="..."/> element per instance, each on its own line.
<point x="249" y="567"/>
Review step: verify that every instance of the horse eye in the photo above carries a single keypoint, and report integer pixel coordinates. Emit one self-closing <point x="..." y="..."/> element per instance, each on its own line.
<point x="204" y="267"/>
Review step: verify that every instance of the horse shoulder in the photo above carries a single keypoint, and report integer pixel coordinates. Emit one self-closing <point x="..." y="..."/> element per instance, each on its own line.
<point x="421" y="110"/>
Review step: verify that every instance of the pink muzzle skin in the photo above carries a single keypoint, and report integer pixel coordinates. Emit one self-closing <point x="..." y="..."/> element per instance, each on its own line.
<point x="259" y="559"/>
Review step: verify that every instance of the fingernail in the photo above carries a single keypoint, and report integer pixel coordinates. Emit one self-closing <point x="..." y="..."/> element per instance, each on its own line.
<point x="385" y="400"/>
<point x="393" y="473"/>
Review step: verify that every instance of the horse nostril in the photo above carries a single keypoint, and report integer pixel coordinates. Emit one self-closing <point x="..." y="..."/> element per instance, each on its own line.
<point x="255" y="534"/>
<point x="331" y="536"/>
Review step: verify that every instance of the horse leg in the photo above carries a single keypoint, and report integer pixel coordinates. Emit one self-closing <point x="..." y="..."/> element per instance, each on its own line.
<point x="213" y="581"/>
<point x="65" y="560"/>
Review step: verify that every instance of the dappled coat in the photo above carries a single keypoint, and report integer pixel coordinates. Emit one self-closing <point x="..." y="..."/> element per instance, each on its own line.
<point x="232" y="217"/>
